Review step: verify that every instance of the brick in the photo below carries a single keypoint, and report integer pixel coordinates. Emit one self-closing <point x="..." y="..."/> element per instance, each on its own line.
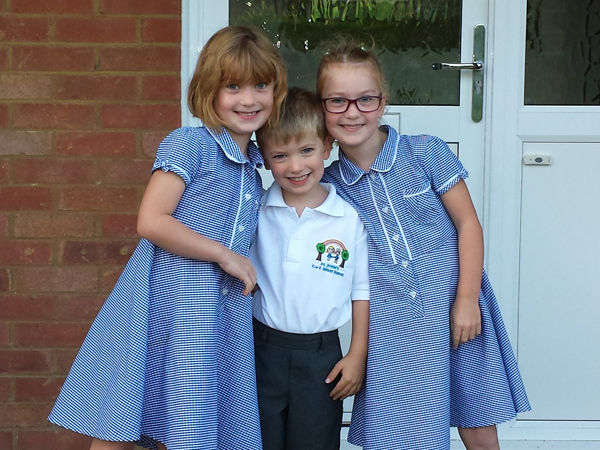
<point x="49" y="334"/>
<point x="52" y="440"/>
<point x="25" y="142"/>
<point x="25" y="415"/>
<point x="37" y="389"/>
<point x="4" y="334"/>
<point x="63" y="360"/>
<point x="161" y="30"/>
<point x="25" y="87"/>
<point x="61" y="116"/>
<point x="6" y="440"/>
<point x="140" y="116"/>
<point x="140" y="7"/>
<point x="78" y="307"/>
<point x="98" y="253"/>
<point x="5" y="280"/>
<point x="53" y="7"/>
<point x="3" y="225"/>
<point x="113" y="143"/>
<point x="25" y="198"/>
<point x="4" y="175"/>
<point x="108" y="278"/>
<point x="119" y="225"/>
<point x="6" y="390"/>
<point x="22" y="29"/>
<point x="4" y="116"/>
<point x="165" y="87"/>
<point x="75" y="59"/>
<point x="149" y="58"/>
<point x="52" y="224"/>
<point x="101" y="30"/>
<point x="27" y="307"/>
<point x="25" y="361"/>
<point x="96" y="88"/>
<point x="24" y="252"/>
<point x="55" y="171"/>
<point x="151" y="141"/>
<point x="56" y="279"/>
<point x="98" y="199"/>
<point x="134" y="172"/>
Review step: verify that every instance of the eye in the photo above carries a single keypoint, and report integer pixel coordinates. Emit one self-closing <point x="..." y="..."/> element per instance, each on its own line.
<point x="262" y="86"/>
<point x="278" y="157"/>
<point x="232" y="87"/>
<point x="307" y="150"/>
<point x="337" y="100"/>
<point x="365" y="99"/>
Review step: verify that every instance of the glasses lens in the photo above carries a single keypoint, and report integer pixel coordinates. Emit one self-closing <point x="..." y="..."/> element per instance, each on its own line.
<point x="336" y="105"/>
<point x="368" y="103"/>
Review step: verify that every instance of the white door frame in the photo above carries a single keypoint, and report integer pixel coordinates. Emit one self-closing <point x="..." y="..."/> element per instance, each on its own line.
<point x="510" y="126"/>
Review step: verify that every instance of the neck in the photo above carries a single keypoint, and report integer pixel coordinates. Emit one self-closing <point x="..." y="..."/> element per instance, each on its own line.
<point x="312" y="200"/>
<point x="364" y="156"/>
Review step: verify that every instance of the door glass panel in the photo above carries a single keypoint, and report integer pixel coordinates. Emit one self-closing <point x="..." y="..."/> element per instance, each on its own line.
<point x="562" y="64"/>
<point x="409" y="36"/>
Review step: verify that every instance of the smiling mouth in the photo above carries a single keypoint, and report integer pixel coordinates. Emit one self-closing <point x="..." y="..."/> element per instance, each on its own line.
<point x="351" y="127"/>
<point x="298" y="179"/>
<point x="247" y="114"/>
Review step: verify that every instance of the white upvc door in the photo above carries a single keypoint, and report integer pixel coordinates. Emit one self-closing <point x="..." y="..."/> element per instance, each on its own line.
<point x="543" y="239"/>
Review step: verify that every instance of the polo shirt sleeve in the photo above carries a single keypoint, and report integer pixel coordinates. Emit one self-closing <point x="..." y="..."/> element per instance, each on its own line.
<point x="442" y="167"/>
<point x="181" y="153"/>
<point x="360" y="280"/>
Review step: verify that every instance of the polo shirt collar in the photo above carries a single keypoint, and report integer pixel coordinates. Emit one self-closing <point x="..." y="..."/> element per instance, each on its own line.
<point x="332" y="206"/>
<point x="385" y="159"/>
<point x="232" y="150"/>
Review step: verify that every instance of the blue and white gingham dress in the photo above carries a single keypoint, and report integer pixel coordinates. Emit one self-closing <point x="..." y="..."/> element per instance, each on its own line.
<point x="416" y="386"/>
<point x="170" y="356"/>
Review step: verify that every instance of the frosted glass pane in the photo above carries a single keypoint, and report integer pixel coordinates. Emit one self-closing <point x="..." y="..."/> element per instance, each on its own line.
<point x="562" y="64"/>
<point x="409" y="35"/>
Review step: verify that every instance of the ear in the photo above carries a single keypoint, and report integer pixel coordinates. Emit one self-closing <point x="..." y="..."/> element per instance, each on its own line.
<point x="327" y="143"/>
<point x="267" y="165"/>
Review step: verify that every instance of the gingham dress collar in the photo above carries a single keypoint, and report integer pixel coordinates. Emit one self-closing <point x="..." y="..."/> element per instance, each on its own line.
<point x="232" y="150"/>
<point x="385" y="160"/>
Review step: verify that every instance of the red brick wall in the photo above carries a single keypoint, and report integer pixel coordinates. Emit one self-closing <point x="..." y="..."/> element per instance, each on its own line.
<point x="87" y="90"/>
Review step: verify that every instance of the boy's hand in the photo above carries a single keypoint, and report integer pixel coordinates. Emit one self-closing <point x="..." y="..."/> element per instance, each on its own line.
<point x="240" y="267"/>
<point x="465" y="321"/>
<point x="352" y="369"/>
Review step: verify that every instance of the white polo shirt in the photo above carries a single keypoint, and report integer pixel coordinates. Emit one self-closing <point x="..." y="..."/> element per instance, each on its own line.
<point x="310" y="268"/>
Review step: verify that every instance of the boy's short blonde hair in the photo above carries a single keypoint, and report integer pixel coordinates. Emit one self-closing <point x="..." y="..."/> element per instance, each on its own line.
<point x="235" y="55"/>
<point x="301" y="114"/>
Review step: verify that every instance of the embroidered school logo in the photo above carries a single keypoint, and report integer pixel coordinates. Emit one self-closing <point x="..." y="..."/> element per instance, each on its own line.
<point x="333" y="251"/>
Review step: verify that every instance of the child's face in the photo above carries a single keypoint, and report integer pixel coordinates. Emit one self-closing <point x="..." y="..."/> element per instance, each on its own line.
<point x="298" y="166"/>
<point x="244" y="109"/>
<point x="353" y="129"/>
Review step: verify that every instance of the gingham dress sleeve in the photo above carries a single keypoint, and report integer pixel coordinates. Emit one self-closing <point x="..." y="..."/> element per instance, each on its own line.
<point x="442" y="167"/>
<point x="181" y="153"/>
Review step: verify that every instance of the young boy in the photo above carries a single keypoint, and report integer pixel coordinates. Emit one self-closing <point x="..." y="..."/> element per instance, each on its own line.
<point x="311" y="259"/>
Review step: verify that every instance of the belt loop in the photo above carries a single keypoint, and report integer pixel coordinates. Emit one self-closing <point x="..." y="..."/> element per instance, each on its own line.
<point x="321" y="344"/>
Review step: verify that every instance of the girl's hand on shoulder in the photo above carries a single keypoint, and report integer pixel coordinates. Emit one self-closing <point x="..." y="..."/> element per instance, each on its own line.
<point x="240" y="267"/>
<point x="465" y="321"/>
<point x="352" y="370"/>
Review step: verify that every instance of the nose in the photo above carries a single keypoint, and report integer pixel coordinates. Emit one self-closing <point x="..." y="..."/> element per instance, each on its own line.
<point x="296" y="164"/>
<point x="352" y="112"/>
<point x="247" y="98"/>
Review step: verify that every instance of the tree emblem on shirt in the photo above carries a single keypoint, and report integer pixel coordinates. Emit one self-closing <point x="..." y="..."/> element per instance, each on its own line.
<point x="335" y="252"/>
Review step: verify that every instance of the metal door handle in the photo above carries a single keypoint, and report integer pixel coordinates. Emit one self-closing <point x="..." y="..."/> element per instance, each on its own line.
<point x="477" y="65"/>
